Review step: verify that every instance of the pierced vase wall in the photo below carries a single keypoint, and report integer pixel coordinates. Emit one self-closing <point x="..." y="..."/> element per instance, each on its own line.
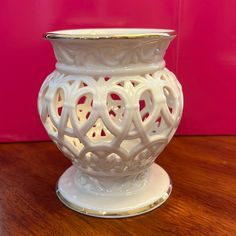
<point x="111" y="107"/>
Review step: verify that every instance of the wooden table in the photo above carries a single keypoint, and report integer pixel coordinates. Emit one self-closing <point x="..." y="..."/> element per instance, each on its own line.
<point x="203" y="201"/>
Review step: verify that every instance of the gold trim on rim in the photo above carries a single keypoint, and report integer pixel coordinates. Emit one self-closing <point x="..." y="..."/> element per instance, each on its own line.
<point x="154" y="33"/>
<point x="122" y="214"/>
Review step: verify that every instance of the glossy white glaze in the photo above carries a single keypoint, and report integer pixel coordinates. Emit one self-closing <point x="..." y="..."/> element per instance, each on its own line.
<point x="153" y="194"/>
<point x="111" y="107"/>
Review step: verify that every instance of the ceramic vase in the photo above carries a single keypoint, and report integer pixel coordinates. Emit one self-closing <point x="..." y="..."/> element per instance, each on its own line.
<point x="111" y="107"/>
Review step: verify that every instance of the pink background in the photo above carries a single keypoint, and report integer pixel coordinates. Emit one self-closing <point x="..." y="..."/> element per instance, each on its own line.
<point x="203" y="56"/>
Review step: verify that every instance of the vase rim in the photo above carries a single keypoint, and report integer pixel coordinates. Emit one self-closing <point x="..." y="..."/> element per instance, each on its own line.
<point x="110" y="33"/>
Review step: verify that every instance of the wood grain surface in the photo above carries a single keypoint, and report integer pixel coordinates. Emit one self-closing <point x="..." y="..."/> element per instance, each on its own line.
<point x="203" y="201"/>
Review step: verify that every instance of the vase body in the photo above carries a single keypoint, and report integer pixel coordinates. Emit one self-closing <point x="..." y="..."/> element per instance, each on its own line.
<point x="111" y="107"/>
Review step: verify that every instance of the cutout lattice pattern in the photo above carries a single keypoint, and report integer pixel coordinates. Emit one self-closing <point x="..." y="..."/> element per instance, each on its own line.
<point x="111" y="125"/>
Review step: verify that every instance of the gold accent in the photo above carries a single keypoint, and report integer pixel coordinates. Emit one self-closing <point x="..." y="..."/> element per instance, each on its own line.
<point x="122" y="214"/>
<point x="160" y="34"/>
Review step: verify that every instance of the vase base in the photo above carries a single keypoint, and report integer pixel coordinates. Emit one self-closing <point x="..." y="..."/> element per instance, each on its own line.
<point x="154" y="194"/>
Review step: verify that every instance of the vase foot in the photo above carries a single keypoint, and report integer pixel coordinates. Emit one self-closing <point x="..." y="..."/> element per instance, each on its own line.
<point x="154" y="194"/>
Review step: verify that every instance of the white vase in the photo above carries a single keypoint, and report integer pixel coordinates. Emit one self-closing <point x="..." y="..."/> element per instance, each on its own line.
<point x="111" y="107"/>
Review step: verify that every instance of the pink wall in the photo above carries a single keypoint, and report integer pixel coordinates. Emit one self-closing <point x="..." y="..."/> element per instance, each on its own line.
<point x="206" y="66"/>
<point x="203" y="56"/>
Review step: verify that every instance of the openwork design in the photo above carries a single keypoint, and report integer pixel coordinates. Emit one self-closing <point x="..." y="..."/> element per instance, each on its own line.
<point x="111" y="125"/>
